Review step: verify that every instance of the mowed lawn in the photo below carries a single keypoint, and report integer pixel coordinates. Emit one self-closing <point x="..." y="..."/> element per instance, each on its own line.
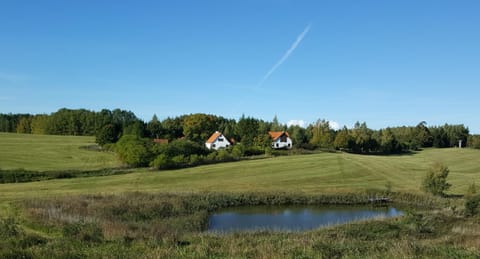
<point x="47" y="152"/>
<point x="318" y="173"/>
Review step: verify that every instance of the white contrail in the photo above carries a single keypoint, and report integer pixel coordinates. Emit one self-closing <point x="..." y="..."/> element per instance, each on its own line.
<point x="286" y="55"/>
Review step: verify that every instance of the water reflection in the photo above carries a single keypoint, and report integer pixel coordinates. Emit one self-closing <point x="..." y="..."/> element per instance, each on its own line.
<point x="293" y="218"/>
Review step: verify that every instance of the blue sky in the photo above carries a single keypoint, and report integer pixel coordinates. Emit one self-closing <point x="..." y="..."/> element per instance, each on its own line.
<point x="388" y="63"/>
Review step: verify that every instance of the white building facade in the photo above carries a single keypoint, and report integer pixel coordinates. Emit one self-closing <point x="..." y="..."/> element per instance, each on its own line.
<point x="281" y="140"/>
<point x="217" y="141"/>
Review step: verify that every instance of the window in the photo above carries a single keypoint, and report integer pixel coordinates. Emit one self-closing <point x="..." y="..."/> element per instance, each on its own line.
<point x="227" y="145"/>
<point x="276" y="144"/>
<point x="213" y="145"/>
<point x="220" y="139"/>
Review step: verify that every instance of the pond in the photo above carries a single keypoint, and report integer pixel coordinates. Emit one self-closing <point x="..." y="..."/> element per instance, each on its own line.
<point x="293" y="218"/>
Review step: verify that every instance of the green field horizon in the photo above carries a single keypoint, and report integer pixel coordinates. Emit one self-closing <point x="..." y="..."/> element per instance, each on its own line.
<point x="315" y="173"/>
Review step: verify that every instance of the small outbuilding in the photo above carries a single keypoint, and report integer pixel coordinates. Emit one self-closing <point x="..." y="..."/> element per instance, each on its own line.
<point x="217" y="141"/>
<point x="160" y="140"/>
<point x="281" y="140"/>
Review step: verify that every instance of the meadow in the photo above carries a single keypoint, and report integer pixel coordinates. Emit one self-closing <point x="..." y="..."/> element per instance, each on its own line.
<point x="49" y="153"/>
<point x="151" y="213"/>
<point x="315" y="173"/>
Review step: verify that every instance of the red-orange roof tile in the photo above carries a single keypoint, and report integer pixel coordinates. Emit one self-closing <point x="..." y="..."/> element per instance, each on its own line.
<point x="277" y="134"/>
<point x="214" y="137"/>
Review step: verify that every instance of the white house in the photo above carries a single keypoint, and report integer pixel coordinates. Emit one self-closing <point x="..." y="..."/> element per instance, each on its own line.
<point x="280" y="139"/>
<point x="217" y="141"/>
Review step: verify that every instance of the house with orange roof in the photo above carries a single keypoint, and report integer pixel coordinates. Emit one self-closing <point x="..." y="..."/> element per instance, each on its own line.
<point x="217" y="141"/>
<point x="280" y="139"/>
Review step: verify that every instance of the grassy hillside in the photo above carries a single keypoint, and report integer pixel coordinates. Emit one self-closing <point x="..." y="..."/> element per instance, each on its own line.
<point x="47" y="152"/>
<point x="161" y="214"/>
<point x="319" y="173"/>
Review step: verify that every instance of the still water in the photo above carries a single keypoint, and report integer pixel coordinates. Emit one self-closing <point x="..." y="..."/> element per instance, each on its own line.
<point x="293" y="218"/>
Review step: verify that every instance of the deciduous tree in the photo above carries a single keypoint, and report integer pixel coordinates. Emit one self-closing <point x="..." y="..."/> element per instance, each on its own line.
<point x="435" y="181"/>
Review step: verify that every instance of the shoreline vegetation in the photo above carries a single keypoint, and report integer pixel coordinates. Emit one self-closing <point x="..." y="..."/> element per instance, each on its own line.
<point x="140" y="225"/>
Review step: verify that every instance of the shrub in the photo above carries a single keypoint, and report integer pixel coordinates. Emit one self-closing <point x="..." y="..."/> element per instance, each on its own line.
<point x="195" y="160"/>
<point x="211" y="157"/>
<point x="108" y="134"/>
<point x="180" y="147"/>
<point x="162" y="162"/>
<point x="472" y="205"/>
<point x="223" y="156"/>
<point x="134" y="151"/>
<point x="179" y="161"/>
<point x="254" y="151"/>
<point x="18" y="175"/>
<point x="435" y="182"/>
<point x="268" y="151"/>
<point x="238" y="151"/>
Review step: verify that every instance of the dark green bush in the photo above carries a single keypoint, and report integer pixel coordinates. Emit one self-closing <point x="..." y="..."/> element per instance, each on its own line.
<point x="162" y="161"/>
<point x="254" y="151"/>
<point x="196" y="160"/>
<point x="180" y="147"/>
<point x="134" y="151"/>
<point x="238" y="150"/>
<point x="19" y="176"/>
<point x="22" y="175"/>
<point x="107" y="134"/>
<point x="180" y="161"/>
<point x="472" y="205"/>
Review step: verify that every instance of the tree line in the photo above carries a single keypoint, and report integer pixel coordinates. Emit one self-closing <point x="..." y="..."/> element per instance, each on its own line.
<point x="110" y="125"/>
<point x="77" y="122"/>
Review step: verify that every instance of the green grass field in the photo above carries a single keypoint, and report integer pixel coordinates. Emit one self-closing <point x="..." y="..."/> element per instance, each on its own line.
<point x="125" y="209"/>
<point x="47" y="152"/>
<point x="317" y="173"/>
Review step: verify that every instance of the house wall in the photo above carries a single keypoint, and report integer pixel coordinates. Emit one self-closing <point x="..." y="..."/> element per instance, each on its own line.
<point x="279" y="144"/>
<point x="218" y="144"/>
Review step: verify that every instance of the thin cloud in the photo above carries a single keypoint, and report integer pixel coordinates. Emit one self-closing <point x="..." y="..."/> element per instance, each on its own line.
<point x="300" y="123"/>
<point x="286" y="55"/>
<point x="334" y="125"/>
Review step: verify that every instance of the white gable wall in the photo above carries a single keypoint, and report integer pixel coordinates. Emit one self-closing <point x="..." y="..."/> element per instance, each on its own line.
<point x="277" y="144"/>
<point x="219" y="143"/>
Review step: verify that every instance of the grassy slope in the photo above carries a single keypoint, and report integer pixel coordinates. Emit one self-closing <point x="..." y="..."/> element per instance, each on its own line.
<point x="46" y="152"/>
<point x="319" y="173"/>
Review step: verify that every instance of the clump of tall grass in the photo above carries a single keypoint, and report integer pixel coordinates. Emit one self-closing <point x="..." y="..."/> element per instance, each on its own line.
<point x="15" y="242"/>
